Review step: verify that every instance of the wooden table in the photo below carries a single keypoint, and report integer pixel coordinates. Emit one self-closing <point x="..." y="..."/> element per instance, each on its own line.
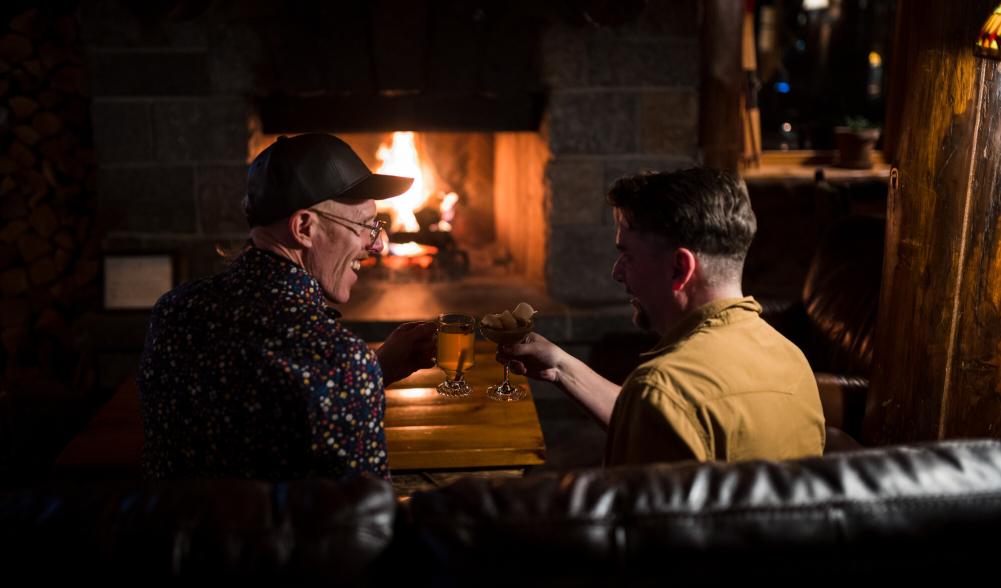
<point x="425" y="432"/>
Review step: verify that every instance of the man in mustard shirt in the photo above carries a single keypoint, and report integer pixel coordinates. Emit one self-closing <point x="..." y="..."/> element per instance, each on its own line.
<point x="721" y="384"/>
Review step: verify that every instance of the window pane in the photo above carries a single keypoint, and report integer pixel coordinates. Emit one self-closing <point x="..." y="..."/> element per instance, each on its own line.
<point x="822" y="63"/>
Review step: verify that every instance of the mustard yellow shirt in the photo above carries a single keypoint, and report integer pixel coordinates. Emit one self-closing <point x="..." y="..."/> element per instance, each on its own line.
<point x="722" y="385"/>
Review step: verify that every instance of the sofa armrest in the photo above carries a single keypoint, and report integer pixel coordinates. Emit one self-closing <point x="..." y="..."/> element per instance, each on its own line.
<point x="843" y="399"/>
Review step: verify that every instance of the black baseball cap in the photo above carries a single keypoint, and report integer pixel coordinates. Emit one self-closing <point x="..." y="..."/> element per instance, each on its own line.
<point x="297" y="172"/>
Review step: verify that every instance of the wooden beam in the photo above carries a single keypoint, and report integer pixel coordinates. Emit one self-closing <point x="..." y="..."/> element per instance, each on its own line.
<point x="937" y="360"/>
<point x="720" y="111"/>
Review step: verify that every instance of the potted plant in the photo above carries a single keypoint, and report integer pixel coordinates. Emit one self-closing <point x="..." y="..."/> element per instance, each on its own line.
<point x="856" y="141"/>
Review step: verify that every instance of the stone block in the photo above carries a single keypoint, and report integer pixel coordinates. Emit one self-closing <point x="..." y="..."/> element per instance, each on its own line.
<point x="200" y="130"/>
<point x="219" y="190"/>
<point x="564" y="57"/>
<point x="148" y="73"/>
<point x="150" y="199"/>
<point x="123" y="131"/>
<point x="617" y="168"/>
<point x="579" y="265"/>
<point x="201" y="258"/>
<point x="575" y="192"/>
<point x="114" y="23"/>
<point x="592" y="122"/>
<point x="618" y="61"/>
<point x="669" y="122"/>
<point x="593" y="323"/>
<point x="234" y="48"/>
<point x="667" y="18"/>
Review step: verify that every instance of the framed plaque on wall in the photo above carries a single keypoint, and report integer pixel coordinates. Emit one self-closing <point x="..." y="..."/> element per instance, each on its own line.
<point x="136" y="281"/>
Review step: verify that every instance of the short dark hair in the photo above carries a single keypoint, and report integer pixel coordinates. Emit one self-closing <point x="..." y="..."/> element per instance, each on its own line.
<point x="703" y="209"/>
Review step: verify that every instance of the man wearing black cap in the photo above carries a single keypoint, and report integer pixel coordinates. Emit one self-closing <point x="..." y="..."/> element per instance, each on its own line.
<point x="249" y="373"/>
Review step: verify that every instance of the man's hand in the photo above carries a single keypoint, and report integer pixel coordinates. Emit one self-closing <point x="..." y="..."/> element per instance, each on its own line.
<point x="535" y="356"/>
<point x="538" y="358"/>
<point x="407" y="349"/>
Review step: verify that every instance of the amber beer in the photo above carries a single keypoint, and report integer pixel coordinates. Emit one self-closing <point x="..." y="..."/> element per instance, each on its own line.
<point x="456" y="335"/>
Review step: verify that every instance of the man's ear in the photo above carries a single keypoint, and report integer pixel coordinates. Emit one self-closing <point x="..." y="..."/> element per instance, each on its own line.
<point x="302" y="226"/>
<point x="684" y="268"/>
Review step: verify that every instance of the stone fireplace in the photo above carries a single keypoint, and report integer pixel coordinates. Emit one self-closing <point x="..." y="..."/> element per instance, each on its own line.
<point x="540" y="107"/>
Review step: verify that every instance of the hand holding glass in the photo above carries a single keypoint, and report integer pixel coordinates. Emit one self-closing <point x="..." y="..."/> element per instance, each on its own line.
<point x="506" y="391"/>
<point x="456" y="336"/>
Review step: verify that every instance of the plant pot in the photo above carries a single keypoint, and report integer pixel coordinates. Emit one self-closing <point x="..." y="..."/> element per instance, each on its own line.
<point x="855" y="147"/>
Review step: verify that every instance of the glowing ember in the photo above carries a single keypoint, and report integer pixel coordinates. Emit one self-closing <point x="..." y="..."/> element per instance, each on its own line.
<point x="411" y="249"/>
<point x="447" y="211"/>
<point x="400" y="158"/>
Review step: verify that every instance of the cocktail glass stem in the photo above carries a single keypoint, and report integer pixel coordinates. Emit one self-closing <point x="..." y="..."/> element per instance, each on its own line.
<point x="506" y="391"/>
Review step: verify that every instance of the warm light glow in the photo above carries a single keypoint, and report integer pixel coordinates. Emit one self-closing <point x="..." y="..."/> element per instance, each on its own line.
<point x="411" y="249"/>
<point x="414" y="392"/>
<point x="874" y="59"/>
<point x="447" y="211"/>
<point x="987" y="41"/>
<point x="400" y="158"/>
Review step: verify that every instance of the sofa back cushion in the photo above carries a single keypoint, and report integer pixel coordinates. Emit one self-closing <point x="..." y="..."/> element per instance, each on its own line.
<point x="907" y="510"/>
<point x="198" y="529"/>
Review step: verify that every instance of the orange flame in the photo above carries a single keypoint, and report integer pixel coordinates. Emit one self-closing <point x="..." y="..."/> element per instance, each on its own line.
<point x="400" y="158"/>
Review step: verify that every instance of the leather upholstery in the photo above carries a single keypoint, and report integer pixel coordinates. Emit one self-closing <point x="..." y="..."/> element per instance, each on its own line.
<point x="841" y="295"/>
<point x="865" y="510"/>
<point x="834" y="320"/>
<point x="900" y="512"/>
<point x="197" y="529"/>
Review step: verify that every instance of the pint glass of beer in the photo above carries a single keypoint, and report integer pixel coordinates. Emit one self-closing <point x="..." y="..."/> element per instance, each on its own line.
<point x="456" y="335"/>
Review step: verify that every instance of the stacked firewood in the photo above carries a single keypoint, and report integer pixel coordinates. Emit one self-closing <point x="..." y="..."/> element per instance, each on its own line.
<point x="49" y="256"/>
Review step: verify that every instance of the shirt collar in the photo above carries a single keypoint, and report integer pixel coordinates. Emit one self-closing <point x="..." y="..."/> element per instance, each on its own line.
<point x="716" y="313"/>
<point x="290" y="278"/>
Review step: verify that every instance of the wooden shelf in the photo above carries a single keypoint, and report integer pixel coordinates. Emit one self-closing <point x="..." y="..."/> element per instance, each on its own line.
<point x="802" y="165"/>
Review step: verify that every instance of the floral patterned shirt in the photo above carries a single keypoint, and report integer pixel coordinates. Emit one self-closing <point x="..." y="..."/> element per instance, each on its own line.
<point x="248" y="373"/>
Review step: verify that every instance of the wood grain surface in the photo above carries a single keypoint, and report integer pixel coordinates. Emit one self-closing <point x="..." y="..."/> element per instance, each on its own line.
<point x="427" y="431"/>
<point x="937" y="356"/>
<point x="424" y="431"/>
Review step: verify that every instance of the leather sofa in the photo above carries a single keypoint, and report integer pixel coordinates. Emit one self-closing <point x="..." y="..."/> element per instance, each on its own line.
<point x="893" y="514"/>
<point x="834" y="320"/>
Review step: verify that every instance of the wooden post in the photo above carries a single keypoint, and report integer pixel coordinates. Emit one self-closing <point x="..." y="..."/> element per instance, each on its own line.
<point x="720" y="112"/>
<point x="937" y="361"/>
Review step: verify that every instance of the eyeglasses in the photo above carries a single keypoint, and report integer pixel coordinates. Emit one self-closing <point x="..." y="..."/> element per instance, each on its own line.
<point x="373" y="230"/>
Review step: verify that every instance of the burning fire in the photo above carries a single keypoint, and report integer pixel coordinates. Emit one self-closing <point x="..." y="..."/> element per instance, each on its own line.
<point x="400" y="158"/>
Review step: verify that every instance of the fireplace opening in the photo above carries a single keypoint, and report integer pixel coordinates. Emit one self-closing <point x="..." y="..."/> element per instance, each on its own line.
<point x="470" y="233"/>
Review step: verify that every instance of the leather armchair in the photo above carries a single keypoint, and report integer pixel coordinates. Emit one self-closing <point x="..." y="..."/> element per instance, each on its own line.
<point x="834" y="320"/>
